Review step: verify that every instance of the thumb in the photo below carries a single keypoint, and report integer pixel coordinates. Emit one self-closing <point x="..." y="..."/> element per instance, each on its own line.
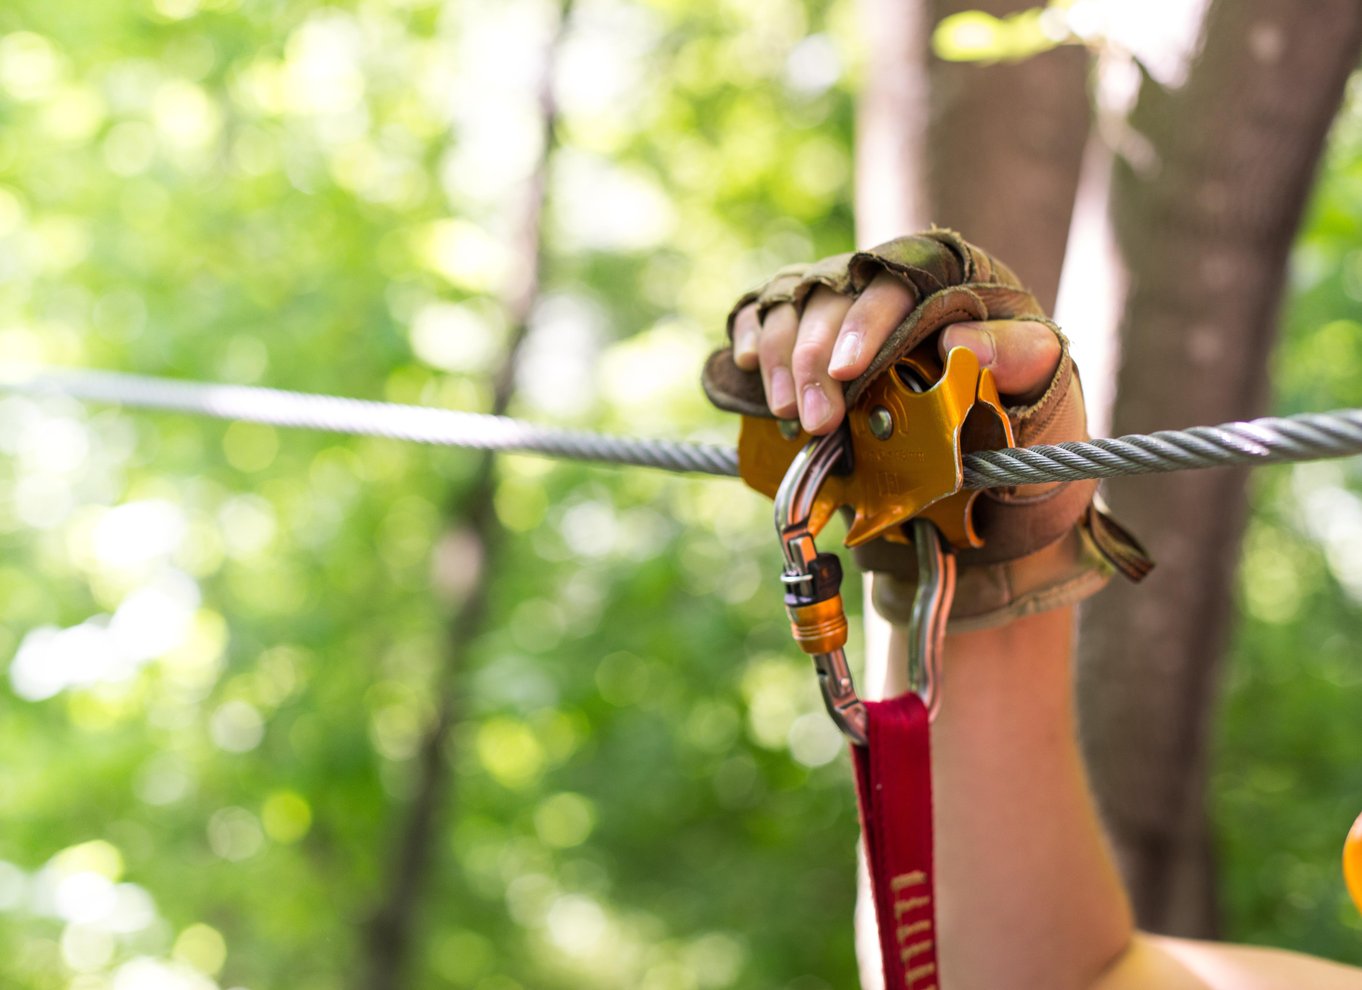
<point x="1022" y="354"/>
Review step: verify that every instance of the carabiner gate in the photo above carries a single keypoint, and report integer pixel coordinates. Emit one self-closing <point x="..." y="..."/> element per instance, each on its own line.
<point x="931" y="609"/>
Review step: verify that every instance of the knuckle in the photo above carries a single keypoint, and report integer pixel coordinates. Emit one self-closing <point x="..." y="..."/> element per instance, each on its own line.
<point x="887" y="298"/>
<point x="821" y="298"/>
<point x="888" y="286"/>
<point x="772" y="349"/>
<point x="808" y="361"/>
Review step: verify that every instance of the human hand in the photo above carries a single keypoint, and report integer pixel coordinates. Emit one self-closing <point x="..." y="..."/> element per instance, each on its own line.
<point x="810" y="330"/>
<point x="805" y="358"/>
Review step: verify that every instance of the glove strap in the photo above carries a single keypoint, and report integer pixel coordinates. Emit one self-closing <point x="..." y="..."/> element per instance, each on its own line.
<point x="894" y="791"/>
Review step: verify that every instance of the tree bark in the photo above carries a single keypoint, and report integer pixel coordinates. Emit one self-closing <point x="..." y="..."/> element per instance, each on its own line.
<point x="1207" y="194"/>
<point x="1004" y="149"/>
<point x="391" y="928"/>
<point x="891" y="121"/>
<point x="991" y="150"/>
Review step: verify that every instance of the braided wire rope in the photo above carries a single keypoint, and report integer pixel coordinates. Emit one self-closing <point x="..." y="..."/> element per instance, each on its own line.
<point x="1270" y="440"/>
<point x="334" y="414"/>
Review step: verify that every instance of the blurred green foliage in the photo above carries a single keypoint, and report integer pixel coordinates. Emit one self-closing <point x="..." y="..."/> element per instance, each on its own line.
<point x="224" y="642"/>
<point x="978" y="36"/>
<point x="1288" y="774"/>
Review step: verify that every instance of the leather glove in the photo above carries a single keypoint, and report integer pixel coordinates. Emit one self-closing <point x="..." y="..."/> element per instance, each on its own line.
<point x="1045" y="545"/>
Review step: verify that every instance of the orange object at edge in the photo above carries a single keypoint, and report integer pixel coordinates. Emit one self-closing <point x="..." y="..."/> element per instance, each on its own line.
<point x="1352" y="862"/>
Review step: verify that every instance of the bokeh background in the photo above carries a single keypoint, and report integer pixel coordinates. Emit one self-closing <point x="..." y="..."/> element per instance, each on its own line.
<point x="232" y="652"/>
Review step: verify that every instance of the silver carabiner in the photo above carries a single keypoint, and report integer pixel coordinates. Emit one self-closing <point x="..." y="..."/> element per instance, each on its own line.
<point x="931" y="609"/>
<point x="813" y="599"/>
<point x="813" y="581"/>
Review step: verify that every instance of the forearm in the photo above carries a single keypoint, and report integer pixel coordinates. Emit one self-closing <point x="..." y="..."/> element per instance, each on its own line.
<point x="1027" y="895"/>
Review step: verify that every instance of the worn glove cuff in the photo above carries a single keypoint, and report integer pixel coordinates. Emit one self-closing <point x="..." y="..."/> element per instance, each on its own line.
<point x="1075" y="566"/>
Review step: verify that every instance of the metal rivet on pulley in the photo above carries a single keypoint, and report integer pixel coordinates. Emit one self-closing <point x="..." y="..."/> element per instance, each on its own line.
<point x="881" y="423"/>
<point x="789" y="428"/>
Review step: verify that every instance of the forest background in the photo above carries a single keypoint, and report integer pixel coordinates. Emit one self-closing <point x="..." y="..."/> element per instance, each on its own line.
<point x="290" y="709"/>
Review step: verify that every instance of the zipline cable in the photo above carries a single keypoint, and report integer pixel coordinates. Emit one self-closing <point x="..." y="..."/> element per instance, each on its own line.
<point x="333" y="414"/>
<point x="1270" y="440"/>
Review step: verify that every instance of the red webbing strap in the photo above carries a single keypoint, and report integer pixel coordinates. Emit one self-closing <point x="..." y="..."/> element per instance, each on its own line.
<point x="894" y="786"/>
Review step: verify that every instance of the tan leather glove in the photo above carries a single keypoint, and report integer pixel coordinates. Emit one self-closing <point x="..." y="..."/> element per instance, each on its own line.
<point x="1045" y="545"/>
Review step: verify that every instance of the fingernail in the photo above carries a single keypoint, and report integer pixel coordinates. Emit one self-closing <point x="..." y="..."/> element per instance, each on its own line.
<point x="846" y="353"/>
<point x="978" y="340"/>
<point x="815" y="409"/>
<point x="782" y="389"/>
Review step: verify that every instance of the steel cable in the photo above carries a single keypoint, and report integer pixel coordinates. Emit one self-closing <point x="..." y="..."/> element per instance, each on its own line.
<point x="1271" y="440"/>
<point x="419" y="424"/>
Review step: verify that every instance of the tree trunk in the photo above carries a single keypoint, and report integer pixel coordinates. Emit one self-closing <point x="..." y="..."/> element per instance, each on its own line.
<point x="1004" y="149"/>
<point x="1207" y="193"/>
<point x="993" y="151"/>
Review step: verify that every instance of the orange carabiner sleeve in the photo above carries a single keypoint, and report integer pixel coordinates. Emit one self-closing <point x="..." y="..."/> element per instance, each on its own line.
<point x="1352" y="862"/>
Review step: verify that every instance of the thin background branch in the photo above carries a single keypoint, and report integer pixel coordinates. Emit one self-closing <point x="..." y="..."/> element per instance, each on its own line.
<point x="390" y="932"/>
